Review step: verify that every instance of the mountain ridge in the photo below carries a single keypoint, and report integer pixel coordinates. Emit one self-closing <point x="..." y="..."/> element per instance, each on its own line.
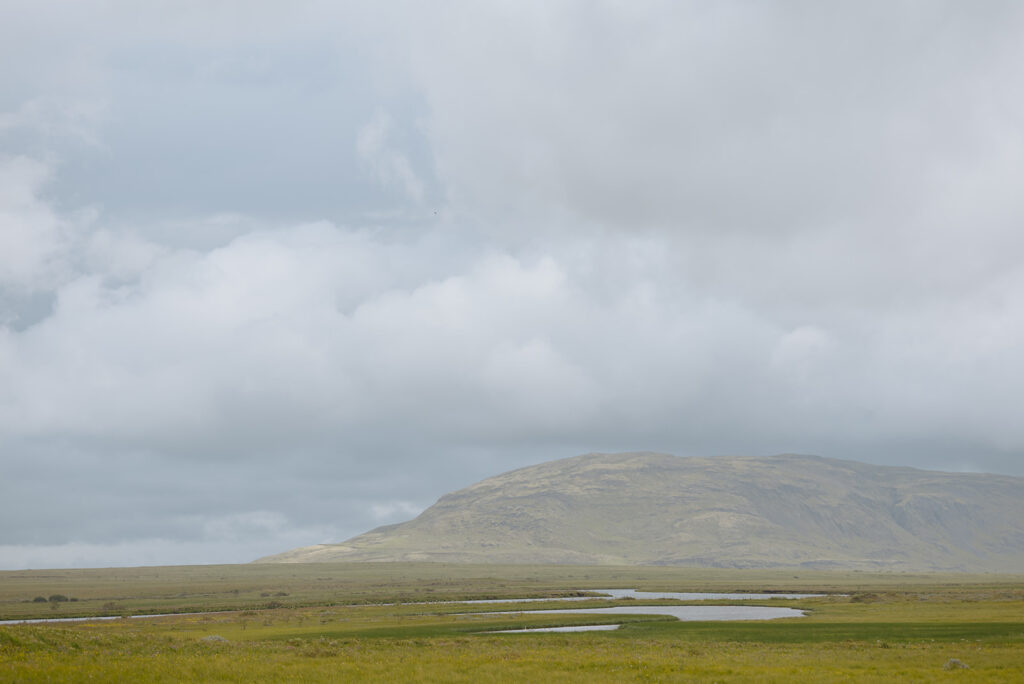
<point x="649" y="508"/>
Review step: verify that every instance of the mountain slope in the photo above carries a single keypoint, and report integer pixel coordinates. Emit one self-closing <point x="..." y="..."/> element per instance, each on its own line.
<point x="779" y="511"/>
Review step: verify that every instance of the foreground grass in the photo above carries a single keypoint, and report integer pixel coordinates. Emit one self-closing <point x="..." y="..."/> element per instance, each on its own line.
<point x="70" y="655"/>
<point x="887" y="628"/>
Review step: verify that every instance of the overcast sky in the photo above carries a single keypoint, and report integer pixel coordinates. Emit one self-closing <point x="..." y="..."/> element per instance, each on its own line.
<point x="273" y="274"/>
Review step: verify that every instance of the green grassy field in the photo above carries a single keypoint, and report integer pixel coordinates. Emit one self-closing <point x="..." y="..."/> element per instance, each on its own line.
<point x="326" y="623"/>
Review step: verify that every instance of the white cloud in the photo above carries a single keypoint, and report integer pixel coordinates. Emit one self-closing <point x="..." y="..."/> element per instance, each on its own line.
<point x="389" y="165"/>
<point x="33" y="238"/>
<point x="722" y="118"/>
<point x="312" y="330"/>
<point x="394" y="511"/>
<point x="74" y="119"/>
<point x="802" y="347"/>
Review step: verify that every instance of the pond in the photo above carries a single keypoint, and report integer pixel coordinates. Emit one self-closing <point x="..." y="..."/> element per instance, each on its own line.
<point x="644" y="595"/>
<point x="577" y="628"/>
<point x="698" y="596"/>
<point x="684" y="613"/>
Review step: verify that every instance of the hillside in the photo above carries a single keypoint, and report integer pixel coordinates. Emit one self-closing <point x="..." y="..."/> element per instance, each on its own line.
<point x="748" y="512"/>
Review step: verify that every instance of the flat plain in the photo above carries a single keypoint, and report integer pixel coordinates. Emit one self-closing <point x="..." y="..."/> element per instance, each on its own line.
<point x="366" y="622"/>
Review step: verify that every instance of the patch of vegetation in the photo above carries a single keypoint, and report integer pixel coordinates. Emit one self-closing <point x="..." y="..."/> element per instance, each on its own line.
<point x="334" y="625"/>
<point x="178" y="589"/>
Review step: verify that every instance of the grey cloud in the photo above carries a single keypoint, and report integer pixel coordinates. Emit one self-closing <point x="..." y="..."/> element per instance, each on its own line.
<point x="311" y="270"/>
<point x="723" y="117"/>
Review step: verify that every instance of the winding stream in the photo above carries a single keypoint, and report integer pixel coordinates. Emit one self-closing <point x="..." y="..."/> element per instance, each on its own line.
<point x="701" y="612"/>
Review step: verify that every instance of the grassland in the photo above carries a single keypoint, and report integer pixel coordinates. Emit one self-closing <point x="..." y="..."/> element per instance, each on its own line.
<point x="331" y="623"/>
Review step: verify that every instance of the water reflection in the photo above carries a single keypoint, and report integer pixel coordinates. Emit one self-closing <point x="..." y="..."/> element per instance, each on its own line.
<point x="577" y="628"/>
<point x="698" y="596"/>
<point x="684" y="613"/>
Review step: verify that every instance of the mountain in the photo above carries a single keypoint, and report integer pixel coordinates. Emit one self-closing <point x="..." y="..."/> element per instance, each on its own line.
<point x="745" y="512"/>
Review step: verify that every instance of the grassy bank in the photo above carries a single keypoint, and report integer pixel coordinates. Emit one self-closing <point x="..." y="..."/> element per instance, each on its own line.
<point x="115" y="591"/>
<point x="887" y="627"/>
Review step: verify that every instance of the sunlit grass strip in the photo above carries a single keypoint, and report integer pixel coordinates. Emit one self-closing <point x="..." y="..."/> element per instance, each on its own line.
<point x="591" y="657"/>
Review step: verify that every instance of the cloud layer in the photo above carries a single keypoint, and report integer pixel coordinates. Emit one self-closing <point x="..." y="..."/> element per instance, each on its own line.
<point x="275" y="283"/>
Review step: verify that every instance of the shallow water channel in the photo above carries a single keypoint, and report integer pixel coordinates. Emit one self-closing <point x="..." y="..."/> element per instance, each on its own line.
<point x="576" y="628"/>
<point x="698" y="596"/>
<point x="684" y="613"/>
<point x="32" y="621"/>
<point x="606" y="595"/>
